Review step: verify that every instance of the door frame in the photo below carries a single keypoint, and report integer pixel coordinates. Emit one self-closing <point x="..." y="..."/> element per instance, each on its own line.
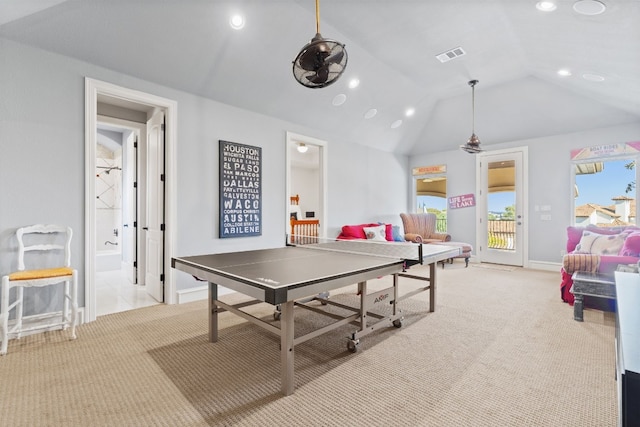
<point x="139" y="130"/>
<point x="481" y="207"/>
<point x="94" y="88"/>
<point x="293" y="139"/>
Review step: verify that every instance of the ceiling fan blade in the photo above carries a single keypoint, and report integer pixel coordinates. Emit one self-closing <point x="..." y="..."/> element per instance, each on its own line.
<point x="336" y="58"/>
<point x="308" y="60"/>
<point x="320" y="76"/>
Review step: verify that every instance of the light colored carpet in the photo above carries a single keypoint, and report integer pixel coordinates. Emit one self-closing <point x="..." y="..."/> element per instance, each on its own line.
<point x="501" y="349"/>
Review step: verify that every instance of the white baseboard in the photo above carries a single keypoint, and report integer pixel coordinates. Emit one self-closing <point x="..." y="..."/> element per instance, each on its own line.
<point x="192" y="294"/>
<point x="198" y="293"/>
<point x="545" y="265"/>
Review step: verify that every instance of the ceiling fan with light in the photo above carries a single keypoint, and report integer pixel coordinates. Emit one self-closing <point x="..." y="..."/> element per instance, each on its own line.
<point x="321" y="61"/>
<point x="473" y="144"/>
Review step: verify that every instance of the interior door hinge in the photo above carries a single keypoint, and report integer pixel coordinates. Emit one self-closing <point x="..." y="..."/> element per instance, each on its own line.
<point x="135" y="224"/>
<point x="135" y="264"/>
<point x="135" y="185"/>
<point x="162" y="126"/>
<point x="162" y="277"/>
<point x="161" y="177"/>
<point x="161" y="227"/>
<point x="135" y="144"/>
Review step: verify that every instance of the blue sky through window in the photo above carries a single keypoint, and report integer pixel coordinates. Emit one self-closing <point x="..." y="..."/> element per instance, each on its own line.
<point x="601" y="187"/>
<point x="598" y="188"/>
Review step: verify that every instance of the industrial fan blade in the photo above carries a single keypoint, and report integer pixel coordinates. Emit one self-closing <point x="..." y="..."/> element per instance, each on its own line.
<point x="320" y="76"/>
<point x="314" y="54"/>
<point x="336" y="58"/>
<point x="312" y="59"/>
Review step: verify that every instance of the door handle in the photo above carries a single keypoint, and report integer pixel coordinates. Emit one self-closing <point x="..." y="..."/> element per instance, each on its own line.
<point x="145" y="228"/>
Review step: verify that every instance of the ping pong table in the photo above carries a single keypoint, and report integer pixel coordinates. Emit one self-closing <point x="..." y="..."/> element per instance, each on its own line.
<point x="292" y="276"/>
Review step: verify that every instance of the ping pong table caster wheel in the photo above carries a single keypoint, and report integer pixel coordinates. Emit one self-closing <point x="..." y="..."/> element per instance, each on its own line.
<point x="397" y="323"/>
<point x="277" y="315"/>
<point x="352" y="345"/>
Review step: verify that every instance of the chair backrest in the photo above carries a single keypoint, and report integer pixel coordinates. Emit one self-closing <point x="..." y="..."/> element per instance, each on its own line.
<point x="51" y="242"/>
<point x="423" y="224"/>
<point x="295" y="200"/>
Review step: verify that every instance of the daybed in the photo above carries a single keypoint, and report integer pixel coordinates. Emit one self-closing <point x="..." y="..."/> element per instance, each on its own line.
<point x="371" y="231"/>
<point x="597" y="250"/>
<point x="418" y="228"/>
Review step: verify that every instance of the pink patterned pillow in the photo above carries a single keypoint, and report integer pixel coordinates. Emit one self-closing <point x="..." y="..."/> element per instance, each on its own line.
<point x="600" y="244"/>
<point x="631" y="246"/>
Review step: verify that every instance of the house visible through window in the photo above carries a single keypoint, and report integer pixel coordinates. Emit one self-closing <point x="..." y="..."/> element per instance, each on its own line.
<point x="605" y="193"/>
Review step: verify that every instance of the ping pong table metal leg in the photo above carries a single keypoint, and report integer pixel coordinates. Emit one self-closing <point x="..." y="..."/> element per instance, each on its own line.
<point x="287" y="348"/>
<point x="213" y="312"/>
<point x="362" y="290"/>
<point x="432" y="287"/>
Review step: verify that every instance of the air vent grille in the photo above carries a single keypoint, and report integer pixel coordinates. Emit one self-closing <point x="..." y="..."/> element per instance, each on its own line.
<point x="451" y="54"/>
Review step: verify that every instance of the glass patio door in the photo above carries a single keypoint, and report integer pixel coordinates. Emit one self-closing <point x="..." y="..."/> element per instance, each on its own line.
<point x="501" y="222"/>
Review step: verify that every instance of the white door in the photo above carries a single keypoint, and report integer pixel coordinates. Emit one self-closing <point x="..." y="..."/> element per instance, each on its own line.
<point x="502" y="206"/>
<point x="154" y="224"/>
<point x="129" y="211"/>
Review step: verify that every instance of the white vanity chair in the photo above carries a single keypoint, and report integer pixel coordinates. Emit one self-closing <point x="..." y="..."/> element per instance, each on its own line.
<point x="50" y="246"/>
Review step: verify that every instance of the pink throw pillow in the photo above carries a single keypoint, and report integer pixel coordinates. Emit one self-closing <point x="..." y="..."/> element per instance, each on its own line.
<point x="631" y="246"/>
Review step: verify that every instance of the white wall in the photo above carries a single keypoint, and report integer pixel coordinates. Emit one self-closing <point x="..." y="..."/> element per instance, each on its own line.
<point x="306" y="183"/>
<point x="42" y="118"/>
<point x="549" y="184"/>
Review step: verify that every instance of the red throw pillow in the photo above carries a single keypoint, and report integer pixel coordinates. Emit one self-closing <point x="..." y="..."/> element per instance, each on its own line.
<point x="388" y="231"/>
<point x="353" y="231"/>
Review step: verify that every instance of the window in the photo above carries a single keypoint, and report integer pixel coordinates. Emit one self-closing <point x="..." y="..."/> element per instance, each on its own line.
<point x="431" y="196"/>
<point x="605" y="192"/>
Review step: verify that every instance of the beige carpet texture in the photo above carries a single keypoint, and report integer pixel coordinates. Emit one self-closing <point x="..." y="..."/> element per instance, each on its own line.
<point x="501" y="349"/>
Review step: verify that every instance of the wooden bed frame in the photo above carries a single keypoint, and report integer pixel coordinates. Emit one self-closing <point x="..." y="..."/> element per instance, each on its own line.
<point x="303" y="231"/>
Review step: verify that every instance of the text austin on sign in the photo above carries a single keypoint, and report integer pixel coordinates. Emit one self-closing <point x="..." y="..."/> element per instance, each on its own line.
<point x="240" y="190"/>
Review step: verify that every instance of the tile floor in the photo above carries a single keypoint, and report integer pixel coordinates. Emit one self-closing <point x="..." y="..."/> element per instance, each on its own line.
<point x="116" y="293"/>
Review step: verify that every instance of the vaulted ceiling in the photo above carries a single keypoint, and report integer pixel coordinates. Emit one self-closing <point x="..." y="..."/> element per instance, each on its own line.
<point x="512" y="48"/>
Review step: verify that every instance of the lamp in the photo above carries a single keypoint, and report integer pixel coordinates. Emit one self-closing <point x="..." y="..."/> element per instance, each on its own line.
<point x="302" y="148"/>
<point x="473" y="144"/>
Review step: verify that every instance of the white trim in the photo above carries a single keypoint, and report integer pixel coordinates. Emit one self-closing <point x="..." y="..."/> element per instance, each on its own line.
<point x="323" y="148"/>
<point x="546" y="266"/>
<point x="193" y="294"/>
<point x="199" y="293"/>
<point x="481" y="207"/>
<point x="92" y="89"/>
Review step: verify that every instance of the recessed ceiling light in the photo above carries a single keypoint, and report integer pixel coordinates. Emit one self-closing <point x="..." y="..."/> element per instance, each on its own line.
<point x="237" y="22"/>
<point x="564" y="72"/>
<point x="339" y="99"/>
<point x="546" y="6"/>
<point x="396" y="124"/>
<point x="589" y="7"/>
<point x="410" y="112"/>
<point x="353" y="83"/>
<point x="593" y="77"/>
<point x="370" y="114"/>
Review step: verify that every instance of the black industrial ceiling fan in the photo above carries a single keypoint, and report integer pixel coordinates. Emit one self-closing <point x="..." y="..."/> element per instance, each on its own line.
<point x="321" y="61"/>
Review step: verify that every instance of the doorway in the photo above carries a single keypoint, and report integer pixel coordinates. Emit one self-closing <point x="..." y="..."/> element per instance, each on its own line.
<point x="115" y="98"/>
<point x="306" y="177"/>
<point x="502" y="188"/>
<point x="118" y="251"/>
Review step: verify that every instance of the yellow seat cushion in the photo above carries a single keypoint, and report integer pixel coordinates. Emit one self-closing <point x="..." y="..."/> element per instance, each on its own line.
<point x="41" y="274"/>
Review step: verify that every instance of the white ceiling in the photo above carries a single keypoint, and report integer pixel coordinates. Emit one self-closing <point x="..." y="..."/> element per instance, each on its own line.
<point x="513" y="49"/>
